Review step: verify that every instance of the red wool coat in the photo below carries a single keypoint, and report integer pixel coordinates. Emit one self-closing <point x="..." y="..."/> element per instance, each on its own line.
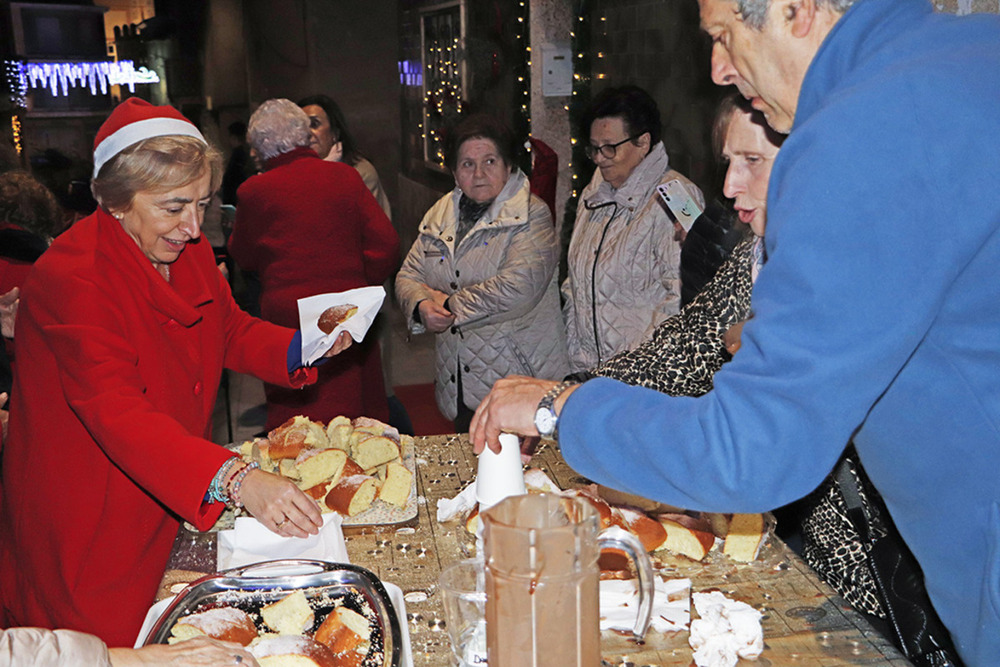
<point x="308" y="227"/>
<point x="112" y="405"/>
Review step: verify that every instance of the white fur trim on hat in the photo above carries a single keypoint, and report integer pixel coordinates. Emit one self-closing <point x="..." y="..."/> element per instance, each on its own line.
<point x="135" y="132"/>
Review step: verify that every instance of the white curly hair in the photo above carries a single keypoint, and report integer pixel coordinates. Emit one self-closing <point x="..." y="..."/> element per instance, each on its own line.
<point x="278" y="126"/>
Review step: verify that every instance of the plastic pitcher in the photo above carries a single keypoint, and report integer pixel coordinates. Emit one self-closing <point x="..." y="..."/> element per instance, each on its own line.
<point x="542" y="599"/>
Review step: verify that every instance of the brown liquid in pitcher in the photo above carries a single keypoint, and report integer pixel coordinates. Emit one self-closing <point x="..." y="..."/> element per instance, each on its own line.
<point x="543" y="621"/>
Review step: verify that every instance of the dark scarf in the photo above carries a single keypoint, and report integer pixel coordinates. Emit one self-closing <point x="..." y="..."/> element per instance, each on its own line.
<point x="469" y="213"/>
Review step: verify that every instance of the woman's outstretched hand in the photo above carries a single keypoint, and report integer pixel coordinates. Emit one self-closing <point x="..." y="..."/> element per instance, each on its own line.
<point x="280" y="505"/>
<point x="197" y="652"/>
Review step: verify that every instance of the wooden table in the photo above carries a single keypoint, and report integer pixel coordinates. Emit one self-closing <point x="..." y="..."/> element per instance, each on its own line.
<point x="805" y="622"/>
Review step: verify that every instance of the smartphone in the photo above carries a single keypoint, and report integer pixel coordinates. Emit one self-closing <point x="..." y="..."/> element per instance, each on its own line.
<point x="680" y="202"/>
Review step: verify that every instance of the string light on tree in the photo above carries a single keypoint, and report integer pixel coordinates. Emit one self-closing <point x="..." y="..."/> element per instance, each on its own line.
<point x="15" y="130"/>
<point x="580" y="165"/>
<point x="522" y="76"/>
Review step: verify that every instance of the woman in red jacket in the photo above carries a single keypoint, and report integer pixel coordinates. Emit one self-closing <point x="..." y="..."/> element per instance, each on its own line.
<point x="307" y="226"/>
<point x="123" y="329"/>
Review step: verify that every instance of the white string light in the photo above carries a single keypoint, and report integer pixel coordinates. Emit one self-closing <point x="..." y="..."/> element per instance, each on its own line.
<point x="60" y="77"/>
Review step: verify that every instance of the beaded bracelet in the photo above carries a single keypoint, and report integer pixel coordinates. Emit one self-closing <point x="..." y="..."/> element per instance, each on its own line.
<point x="217" y="489"/>
<point x="237" y="482"/>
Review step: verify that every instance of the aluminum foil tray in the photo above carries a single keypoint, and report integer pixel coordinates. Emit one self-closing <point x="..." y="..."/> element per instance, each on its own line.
<point x="326" y="586"/>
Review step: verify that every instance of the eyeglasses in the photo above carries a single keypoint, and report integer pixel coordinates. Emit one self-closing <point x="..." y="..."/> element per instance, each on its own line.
<point x="607" y="150"/>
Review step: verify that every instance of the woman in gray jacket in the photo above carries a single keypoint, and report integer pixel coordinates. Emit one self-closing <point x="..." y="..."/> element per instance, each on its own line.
<point x="624" y="255"/>
<point x="482" y="274"/>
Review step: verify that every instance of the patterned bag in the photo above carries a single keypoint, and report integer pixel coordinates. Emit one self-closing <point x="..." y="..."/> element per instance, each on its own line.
<point x="915" y="626"/>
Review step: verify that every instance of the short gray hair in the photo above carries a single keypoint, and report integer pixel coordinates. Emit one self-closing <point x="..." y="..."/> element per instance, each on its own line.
<point x="278" y="126"/>
<point x="754" y="12"/>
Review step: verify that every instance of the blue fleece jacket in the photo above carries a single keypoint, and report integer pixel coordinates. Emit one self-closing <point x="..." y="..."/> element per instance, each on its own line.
<point x="877" y="315"/>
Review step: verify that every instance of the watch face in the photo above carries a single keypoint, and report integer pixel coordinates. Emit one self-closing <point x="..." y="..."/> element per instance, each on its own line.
<point x="545" y="421"/>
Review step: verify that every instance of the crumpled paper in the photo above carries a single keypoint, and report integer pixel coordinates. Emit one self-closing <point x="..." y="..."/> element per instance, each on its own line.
<point x="727" y="631"/>
<point x="452" y="508"/>
<point x="671" y="604"/>
<point x="251" y="542"/>
<point x="536" y="480"/>
<point x="315" y="343"/>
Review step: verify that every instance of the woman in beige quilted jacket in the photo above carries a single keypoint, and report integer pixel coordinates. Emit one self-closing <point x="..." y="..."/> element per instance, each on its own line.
<point x="482" y="274"/>
<point x="36" y="647"/>
<point x="624" y="255"/>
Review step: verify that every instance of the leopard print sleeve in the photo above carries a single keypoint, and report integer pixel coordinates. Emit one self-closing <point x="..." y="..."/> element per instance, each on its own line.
<point x="687" y="349"/>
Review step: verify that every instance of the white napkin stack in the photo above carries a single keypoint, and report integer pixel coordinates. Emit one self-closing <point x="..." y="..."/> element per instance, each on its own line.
<point x="250" y="542"/>
<point x="315" y="343"/>
<point x="727" y="631"/>
<point x="671" y="604"/>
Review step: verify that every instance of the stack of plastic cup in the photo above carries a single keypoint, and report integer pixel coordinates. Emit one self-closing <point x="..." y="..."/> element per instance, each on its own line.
<point x="500" y="475"/>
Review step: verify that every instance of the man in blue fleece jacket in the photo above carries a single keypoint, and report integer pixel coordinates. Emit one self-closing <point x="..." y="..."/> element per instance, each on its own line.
<point x="877" y="313"/>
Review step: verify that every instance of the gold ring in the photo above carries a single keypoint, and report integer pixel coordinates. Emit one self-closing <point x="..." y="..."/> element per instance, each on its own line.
<point x="279" y="524"/>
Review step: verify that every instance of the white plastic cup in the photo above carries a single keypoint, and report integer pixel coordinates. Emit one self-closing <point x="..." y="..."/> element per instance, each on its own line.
<point x="500" y="475"/>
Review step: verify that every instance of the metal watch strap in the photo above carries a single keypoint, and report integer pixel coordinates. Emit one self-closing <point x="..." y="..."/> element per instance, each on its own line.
<point x="549" y="399"/>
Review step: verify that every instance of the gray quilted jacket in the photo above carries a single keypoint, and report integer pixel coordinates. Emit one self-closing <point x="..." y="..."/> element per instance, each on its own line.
<point x="502" y="285"/>
<point x="624" y="263"/>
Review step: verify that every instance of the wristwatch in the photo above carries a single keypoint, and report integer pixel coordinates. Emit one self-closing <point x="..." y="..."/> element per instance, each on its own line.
<point x="545" y="417"/>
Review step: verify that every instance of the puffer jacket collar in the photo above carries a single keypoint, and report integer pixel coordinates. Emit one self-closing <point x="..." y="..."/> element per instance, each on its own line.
<point x="499" y="214"/>
<point x="634" y="192"/>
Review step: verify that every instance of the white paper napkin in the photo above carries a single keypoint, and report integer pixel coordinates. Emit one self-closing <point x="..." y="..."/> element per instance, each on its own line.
<point x="450" y="508"/>
<point x="727" y="631"/>
<point x="250" y="542"/>
<point x="671" y="604"/>
<point x="315" y="343"/>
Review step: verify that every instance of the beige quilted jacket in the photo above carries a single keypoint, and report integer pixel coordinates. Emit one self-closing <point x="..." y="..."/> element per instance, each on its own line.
<point x="502" y="285"/>
<point x="623" y="264"/>
<point x="34" y="647"/>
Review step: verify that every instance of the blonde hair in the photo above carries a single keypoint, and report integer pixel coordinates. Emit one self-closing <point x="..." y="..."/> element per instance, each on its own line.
<point x="157" y="164"/>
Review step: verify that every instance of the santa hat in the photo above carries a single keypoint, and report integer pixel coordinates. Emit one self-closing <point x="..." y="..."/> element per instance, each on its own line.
<point x="134" y="120"/>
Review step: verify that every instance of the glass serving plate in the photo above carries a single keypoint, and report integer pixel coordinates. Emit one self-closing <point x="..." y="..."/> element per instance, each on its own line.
<point x="326" y="586"/>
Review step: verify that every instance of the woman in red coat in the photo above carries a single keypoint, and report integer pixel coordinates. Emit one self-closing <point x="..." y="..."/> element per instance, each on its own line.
<point x="123" y="329"/>
<point x="307" y="226"/>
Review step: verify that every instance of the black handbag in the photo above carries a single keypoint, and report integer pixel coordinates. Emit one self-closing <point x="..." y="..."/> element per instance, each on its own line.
<point x="915" y="627"/>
